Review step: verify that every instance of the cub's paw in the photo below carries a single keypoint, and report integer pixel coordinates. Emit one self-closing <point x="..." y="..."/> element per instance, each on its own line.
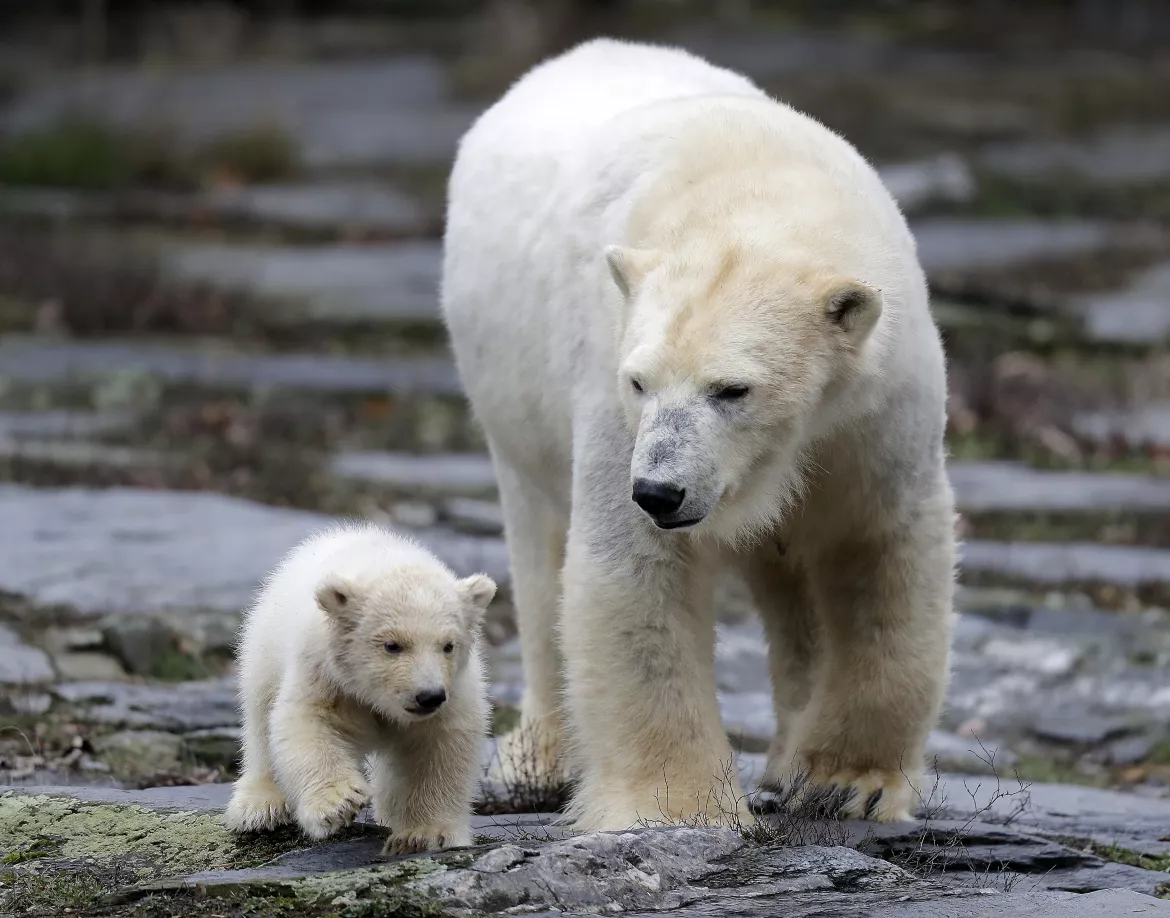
<point x="256" y="806"/>
<point x="426" y="838"/>
<point x="883" y="795"/>
<point x="332" y="808"/>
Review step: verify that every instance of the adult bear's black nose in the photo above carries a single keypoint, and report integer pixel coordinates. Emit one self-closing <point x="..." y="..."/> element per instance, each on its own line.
<point x="658" y="498"/>
<point x="430" y="699"/>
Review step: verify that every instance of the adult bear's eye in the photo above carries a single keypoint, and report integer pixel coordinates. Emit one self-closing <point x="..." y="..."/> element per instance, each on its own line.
<point x="393" y="647"/>
<point x="637" y="385"/>
<point x="731" y="393"/>
<point x="448" y="647"/>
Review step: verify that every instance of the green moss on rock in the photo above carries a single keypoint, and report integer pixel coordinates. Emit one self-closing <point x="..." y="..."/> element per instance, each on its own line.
<point x="154" y="843"/>
<point x="169" y="841"/>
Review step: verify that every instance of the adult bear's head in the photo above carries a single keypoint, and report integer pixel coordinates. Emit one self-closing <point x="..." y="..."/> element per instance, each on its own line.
<point x="732" y="360"/>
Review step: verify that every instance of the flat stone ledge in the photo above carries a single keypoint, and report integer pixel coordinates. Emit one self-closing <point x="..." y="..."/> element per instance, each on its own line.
<point x="982" y="487"/>
<point x="1071" y="563"/>
<point x="34" y="361"/>
<point x="125" y="550"/>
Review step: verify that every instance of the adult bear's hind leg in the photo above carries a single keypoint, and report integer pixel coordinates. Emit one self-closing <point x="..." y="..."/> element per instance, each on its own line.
<point x="530" y="758"/>
<point x="780" y="592"/>
<point x="885" y="605"/>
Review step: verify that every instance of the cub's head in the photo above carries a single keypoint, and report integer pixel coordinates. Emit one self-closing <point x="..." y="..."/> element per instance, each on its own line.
<point x="728" y="364"/>
<point x="403" y="637"/>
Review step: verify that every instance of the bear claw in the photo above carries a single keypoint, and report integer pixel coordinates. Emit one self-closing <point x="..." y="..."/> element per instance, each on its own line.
<point x="425" y="838"/>
<point x="257" y="808"/>
<point x="332" y="809"/>
<point x="874" y="794"/>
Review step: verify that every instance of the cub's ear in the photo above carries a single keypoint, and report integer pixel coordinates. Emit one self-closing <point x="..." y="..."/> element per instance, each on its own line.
<point x="628" y="267"/>
<point x="478" y="591"/>
<point x="853" y="307"/>
<point x="337" y="598"/>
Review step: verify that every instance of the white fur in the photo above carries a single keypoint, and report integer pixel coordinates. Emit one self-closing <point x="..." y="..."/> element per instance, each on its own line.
<point x="654" y="273"/>
<point x="320" y="691"/>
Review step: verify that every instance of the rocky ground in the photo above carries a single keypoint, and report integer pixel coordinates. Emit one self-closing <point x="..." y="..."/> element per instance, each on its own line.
<point x="207" y="352"/>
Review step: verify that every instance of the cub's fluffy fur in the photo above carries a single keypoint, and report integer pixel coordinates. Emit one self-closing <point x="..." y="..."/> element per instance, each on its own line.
<point x="363" y="644"/>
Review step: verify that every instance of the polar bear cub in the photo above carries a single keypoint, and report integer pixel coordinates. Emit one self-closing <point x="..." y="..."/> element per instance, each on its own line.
<point x="362" y="644"/>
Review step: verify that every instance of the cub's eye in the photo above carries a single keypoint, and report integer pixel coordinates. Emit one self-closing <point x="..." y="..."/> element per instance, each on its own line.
<point x="393" y="647"/>
<point x="448" y="647"/>
<point x="637" y="385"/>
<point x="731" y="393"/>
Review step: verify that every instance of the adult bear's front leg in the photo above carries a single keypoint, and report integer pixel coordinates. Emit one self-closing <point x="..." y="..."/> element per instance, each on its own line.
<point x="638" y="640"/>
<point x="885" y="604"/>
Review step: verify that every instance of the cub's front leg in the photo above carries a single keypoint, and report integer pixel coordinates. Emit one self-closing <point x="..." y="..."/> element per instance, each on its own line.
<point x="317" y="758"/>
<point x="423" y="786"/>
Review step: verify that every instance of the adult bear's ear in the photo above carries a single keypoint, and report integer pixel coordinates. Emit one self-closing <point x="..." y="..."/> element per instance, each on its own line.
<point x="853" y="307"/>
<point x="629" y="267"/>
<point x="338" y="599"/>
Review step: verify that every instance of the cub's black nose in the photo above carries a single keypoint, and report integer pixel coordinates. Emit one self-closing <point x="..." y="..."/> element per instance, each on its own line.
<point x="658" y="498"/>
<point x="430" y="699"/>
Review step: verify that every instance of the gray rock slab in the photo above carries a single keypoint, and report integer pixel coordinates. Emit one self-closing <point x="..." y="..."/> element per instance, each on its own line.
<point x="963" y="245"/>
<point x="942" y="178"/>
<point x="687" y="871"/>
<point x="443" y="474"/>
<point x="21" y="664"/>
<point x="323" y="205"/>
<point x="173" y="707"/>
<point x="981" y="854"/>
<point x="709" y="869"/>
<point x="200" y="798"/>
<point x="87" y="362"/>
<point x="1008" y="486"/>
<point x="85" y="666"/>
<point x="1055" y="811"/>
<point x="1045" y="564"/>
<point x="766" y="55"/>
<point x="949" y="752"/>
<point x="1105" y="903"/>
<point x="1061" y="614"/>
<point x="1045" y="655"/>
<point x="999" y="703"/>
<point x="1080" y="729"/>
<point x="467" y="514"/>
<point x="741" y="657"/>
<point x="335" y="113"/>
<point x="334" y="282"/>
<point x="699" y="871"/>
<point x="80" y="453"/>
<point x="134" y="551"/>
<point x="1135" y="823"/>
<point x="1141" y="426"/>
<point x="1137" y="314"/>
<point x="1117" y="156"/>
<point x="62" y="424"/>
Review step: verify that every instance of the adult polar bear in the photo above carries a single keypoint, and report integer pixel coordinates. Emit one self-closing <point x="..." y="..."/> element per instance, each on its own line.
<point x="693" y="326"/>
